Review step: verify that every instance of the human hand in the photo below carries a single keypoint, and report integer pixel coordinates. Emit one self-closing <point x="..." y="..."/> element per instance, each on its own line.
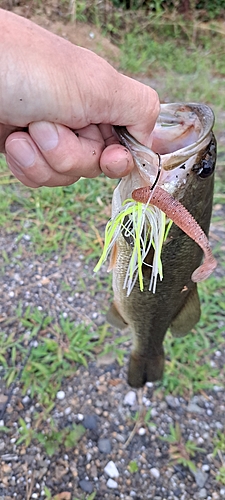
<point x="58" y="104"/>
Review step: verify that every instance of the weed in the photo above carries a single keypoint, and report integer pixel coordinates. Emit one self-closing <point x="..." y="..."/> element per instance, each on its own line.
<point x="48" y="496"/>
<point x="53" y="438"/>
<point x="53" y="356"/>
<point x="4" y="429"/>
<point x="179" y="450"/>
<point x="147" y="418"/>
<point x="219" y="443"/>
<point x="221" y="475"/>
<point x="89" y="497"/>
<point x="219" y="449"/>
<point x="133" y="466"/>
<point x="114" y="348"/>
<point x="68" y="437"/>
<point x="49" y="215"/>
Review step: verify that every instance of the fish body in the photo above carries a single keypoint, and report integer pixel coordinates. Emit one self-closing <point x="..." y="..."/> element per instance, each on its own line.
<point x="187" y="174"/>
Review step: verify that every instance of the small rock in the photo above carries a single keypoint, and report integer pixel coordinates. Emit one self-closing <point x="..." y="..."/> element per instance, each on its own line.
<point x="172" y="401"/>
<point x="215" y="496"/>
<point x="25" y="400"/>
<point x="194" y="408"/>
<point x="222" y="492"/>
<point x="107" y="359"/>
<point x="111" y="469"/>
<point x="130" y="398"/>
<point x="218" y="388"/>
<point x="120" y="438"/>
<point x="202" y="493"/>
<point x="219" y="425"/>
<point x="206" y="467"/>
<point x="80" y="417"/>
<point x="104" y="445"/>
<point x="60" y="395"/>
<point x="67" y="410"/>
<point x="2" y="423"/>
<point x="146" y="401"/>
<point x="94" y="471"/>
<point x="86" y="485"/>
<point x="112" y="484"/>
<point x="163" y="405"/>
<point x="88" y="457"/>
<point x="155" y="472"/>
<point x="26" y="237"/>
<point x="90" y="422"/>
<point x="149" y="384"/>
<point x="200" y="477"/>
<point x="9" y="458"/>
<point x="142" y="431"/>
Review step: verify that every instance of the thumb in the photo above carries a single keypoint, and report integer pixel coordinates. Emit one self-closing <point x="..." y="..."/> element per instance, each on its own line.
<point x="138" y="108"/>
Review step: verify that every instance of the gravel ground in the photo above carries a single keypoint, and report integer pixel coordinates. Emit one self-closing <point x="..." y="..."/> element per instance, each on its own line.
<point x="100" y="399"/>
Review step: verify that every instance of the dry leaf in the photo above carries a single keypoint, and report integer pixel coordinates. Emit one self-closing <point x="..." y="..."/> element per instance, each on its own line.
<point x="65" y="495"/>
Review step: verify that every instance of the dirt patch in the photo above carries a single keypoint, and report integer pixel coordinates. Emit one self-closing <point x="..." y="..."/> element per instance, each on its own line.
<point x="83" y="34"/>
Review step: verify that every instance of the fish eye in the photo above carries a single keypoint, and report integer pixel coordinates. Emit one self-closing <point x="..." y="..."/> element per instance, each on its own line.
<point x="206" y="165"/>
<point x="207" y="168"/>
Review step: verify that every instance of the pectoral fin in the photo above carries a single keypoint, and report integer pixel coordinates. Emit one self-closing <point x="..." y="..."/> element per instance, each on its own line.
<point x="188" y="316"/>
<point x="115" y="319"/>
<point x="113" y="257"/>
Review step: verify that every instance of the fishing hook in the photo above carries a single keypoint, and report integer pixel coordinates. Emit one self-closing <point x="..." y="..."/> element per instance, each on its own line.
<point x="158" y="174"/>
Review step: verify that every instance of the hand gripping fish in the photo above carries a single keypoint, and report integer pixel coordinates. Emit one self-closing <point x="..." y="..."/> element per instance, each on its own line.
<point x="163" y="294"/>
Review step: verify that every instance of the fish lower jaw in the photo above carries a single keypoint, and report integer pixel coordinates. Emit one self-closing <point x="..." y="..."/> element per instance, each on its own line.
<point x="176" y="179"/>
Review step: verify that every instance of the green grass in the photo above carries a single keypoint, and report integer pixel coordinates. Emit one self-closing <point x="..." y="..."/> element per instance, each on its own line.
<point x="181" y="451"/>
<point x="59" y="348"/>
<point x="182" y="68"/>
<point x="145" y="50"/>
<point x="52" y="439"/>
<point x="133" y="467"/>
<point x="188" y="368"/>
<point x="55" y="219"/>
<point x="218" y="452"/>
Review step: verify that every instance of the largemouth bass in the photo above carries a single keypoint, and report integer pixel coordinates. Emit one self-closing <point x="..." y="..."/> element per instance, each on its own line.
<point x="182" y="159"/>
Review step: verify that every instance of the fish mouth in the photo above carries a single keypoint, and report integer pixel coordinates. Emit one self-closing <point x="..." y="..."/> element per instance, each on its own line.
<point x="181" y="141"/>
<point x="181" y="132"/>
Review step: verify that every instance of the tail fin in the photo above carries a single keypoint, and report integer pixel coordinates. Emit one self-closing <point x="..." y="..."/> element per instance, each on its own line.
<point x="144" y="369"/>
